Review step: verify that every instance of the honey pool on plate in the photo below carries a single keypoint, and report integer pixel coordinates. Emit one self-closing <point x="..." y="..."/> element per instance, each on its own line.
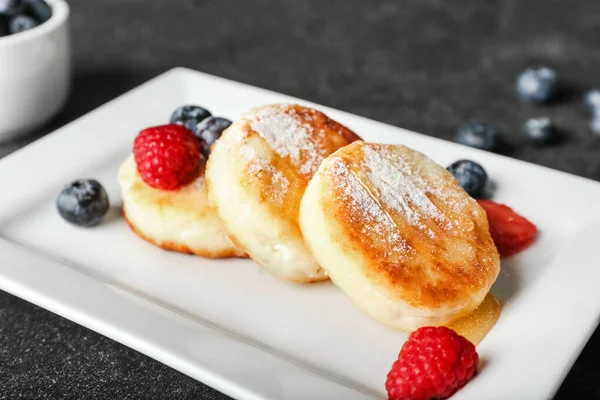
<point x="477" y="324"/>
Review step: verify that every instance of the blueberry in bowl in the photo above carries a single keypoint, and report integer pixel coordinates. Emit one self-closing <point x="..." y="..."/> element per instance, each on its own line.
<point x="208" y="131"/>
<point x="470" y="175"/>
<point x="18" y="16"/>
<point x="11" y="7"/>
<point x="21" y="23"/>
<point x="33" y="92"/>
<point x="83" y="203"/>
<point x="40" y="10"/>
<point x="477" y="134"/>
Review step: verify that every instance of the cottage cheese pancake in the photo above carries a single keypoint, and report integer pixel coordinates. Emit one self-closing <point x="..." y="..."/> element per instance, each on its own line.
<point x="256" y="175"/>
<point x="179" y="220"/>
<point x="397" y="233"/>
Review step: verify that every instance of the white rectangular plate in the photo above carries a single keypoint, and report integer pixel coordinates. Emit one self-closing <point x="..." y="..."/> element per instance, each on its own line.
<point x="231" y="325"/>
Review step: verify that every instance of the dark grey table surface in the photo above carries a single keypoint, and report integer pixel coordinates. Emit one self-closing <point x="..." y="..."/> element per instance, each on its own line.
<point x="424" y="65"/>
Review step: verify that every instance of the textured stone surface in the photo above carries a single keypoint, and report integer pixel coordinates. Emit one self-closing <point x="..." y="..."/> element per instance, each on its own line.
<point x="421" y="64"/>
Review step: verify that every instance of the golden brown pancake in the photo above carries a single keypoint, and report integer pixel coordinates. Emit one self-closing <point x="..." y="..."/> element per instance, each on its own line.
<point x="179" y="220"/>
<point x="398" y="234"/>
<point x="256" y="175"/>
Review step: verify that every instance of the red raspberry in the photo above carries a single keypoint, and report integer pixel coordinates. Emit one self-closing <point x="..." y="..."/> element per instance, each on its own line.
<point x="434" y="363"/>
<point x="511" y="232"/>
<point x="166" y="156"/>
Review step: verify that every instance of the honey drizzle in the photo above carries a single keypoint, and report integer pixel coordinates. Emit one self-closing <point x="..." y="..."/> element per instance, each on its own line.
<point x="476" y="325"/>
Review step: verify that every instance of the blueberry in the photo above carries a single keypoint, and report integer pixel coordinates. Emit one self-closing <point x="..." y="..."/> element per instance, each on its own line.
<point x="11" y="7"/>
<point x="38" y="9"/>
<point x="21" y="23"/>
<point x="189" y="116"/>
<point x="470" y="175"/>
<point x="480" y="135"/>
<point x="208" y="131"/>
<point x="592" y="99"/>
<point x="538" y="130"/>
<point x="537" y="85"/>
<point x="83" y="203"/>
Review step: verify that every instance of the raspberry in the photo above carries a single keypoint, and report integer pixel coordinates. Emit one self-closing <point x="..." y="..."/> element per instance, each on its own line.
<point x="434" y="363"/>
<point x="166" y="156"/>
<point x="511" y="232"/>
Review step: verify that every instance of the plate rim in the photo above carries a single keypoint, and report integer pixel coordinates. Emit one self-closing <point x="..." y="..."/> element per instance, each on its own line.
<point x="223" y="383"/>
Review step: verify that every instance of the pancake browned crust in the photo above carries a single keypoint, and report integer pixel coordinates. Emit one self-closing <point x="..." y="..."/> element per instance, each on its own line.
<point x="397" y="233"/>
<point x="180" y="220"/>
<point x="256" y="176"/>
<point x="182" y="248"/>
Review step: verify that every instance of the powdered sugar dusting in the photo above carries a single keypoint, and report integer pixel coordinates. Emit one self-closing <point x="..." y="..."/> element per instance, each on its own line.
<point x="402" y="189"/>
<point x="248" y="152"/>
<point x="288" y="137"/>
<point x="256" y="165"/>
<point x="366" y="208"/>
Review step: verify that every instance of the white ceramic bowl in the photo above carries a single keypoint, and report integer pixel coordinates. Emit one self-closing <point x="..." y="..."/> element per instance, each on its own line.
<point x="35" y="74"/>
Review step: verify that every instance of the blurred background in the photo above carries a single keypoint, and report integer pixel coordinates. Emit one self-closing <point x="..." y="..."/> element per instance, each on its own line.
<point x="423" y="65"/>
